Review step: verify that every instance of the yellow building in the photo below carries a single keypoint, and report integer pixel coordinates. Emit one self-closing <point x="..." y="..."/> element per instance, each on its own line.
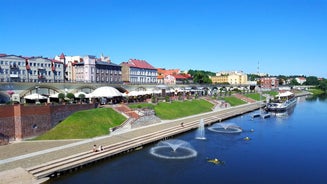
<point x="219" y="79"/>
<point x="233" y="78"/>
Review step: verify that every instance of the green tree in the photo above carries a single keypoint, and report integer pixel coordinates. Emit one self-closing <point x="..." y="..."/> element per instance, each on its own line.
<point x="253" y="77"/>
<point x="281" y="79"/>
<point x="323" y="85"/>
<point x="61" y="97"/>
<point x="311" y="80"/>
<point x="294" y="82"/>
<point x="81" y="97"/>
<point x="71" y="96"/>
<point x="201" y="78"/>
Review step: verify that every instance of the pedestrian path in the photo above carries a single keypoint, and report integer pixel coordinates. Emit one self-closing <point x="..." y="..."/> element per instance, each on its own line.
<point x="31" y="156"/>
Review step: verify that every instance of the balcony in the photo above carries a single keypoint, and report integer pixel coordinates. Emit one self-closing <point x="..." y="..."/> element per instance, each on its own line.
<point x="14" y="76"/>
<point x="14" y="67"/>
<point x="41" y="68"/>
<point x="41" y="77"/>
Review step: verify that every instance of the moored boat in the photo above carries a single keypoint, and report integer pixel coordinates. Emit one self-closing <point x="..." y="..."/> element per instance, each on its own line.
<point x="282" y="102"/>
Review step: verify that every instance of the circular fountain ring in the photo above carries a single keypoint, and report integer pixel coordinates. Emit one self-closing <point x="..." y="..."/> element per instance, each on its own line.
<point x="180" y="153"/>
<point x="225" y="128"/>
<point x="173" y="149"/>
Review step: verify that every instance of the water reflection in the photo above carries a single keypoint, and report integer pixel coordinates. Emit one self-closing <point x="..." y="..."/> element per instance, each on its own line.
<point x="321" y="97"/>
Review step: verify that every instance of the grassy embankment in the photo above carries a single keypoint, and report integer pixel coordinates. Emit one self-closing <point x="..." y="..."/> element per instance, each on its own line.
<point x="96" y="122"/>
<point x="233" y="101"/>
<point x="316" y="91"/>
<point x="177" y="109"/>
<point x="85" y="124"/>
<point x="256" y="96"/>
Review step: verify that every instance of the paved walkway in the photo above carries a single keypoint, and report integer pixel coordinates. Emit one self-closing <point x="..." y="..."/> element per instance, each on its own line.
<point x="17" y="156"/>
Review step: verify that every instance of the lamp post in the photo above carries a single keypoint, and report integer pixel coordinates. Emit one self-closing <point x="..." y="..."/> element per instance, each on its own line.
<point x="37" y="92"/>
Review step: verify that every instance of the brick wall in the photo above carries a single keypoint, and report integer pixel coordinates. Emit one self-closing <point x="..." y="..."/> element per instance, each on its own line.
<point x="25" y="121"/>
<point x="7" y="121"/>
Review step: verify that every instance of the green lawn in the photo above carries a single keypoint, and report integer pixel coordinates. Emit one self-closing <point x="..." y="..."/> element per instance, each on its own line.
<point x="179" y="109"/>
<point x="233" y="101"/>
<point x="272" y="93"/>
<point x="254" y="96"/>
<point x="141" y="105"/>
<point x="85" y="124"/>
<point x="316" y="91"/>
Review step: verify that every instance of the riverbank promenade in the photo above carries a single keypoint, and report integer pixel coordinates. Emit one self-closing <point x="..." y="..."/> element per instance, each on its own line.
<point x="36" y="161"/>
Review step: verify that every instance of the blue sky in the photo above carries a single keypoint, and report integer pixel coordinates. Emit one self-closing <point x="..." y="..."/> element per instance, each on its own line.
<point x="287" y="37"/>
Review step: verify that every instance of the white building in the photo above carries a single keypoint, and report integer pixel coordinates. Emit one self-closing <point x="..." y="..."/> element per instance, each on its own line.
<point x="96" y="70"/>
<point x="139" y="72"/>
<point x="300" y="80"/>
<point x="30" y="69"/>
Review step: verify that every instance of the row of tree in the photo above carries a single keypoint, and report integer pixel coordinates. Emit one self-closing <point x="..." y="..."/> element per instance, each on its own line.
<point x="202" y="77"/>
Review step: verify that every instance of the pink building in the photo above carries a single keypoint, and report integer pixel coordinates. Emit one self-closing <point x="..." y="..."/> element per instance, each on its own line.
<point x="269" y="82"/>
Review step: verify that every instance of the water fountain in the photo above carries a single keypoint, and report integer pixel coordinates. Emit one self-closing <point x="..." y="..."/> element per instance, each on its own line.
<point x="225" y="128"/>
<point x="200" y="133"/>
<point x="173" y="149"/>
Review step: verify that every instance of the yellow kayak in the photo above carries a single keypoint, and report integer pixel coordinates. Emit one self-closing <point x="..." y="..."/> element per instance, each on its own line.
<point x="215" y="161"/>
<point x="247" y="138"/>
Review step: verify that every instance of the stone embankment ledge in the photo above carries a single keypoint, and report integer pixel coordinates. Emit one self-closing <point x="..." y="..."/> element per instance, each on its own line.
<point x="35" y="161"/>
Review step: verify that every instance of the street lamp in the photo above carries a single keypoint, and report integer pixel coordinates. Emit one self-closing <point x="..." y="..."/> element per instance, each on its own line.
<point x="37" y="92"/>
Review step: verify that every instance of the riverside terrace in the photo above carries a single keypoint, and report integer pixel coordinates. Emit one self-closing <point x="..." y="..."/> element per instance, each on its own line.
<point x="34" y="162"/>
<point x="19" y="89"/>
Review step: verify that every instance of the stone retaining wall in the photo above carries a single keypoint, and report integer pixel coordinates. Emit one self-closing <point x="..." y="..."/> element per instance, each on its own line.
<point x="19" y="122"/>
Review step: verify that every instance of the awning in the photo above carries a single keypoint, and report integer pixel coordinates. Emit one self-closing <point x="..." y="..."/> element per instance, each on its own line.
<point x="35" y="96"/>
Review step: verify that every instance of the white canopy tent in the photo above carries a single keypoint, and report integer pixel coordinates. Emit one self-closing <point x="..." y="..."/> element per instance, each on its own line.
<point x="106" y="92"/>
<point x="285" y="94"/>
<point x="80" y="93"/>
<point x="35" y="96"/>
<point x="54" y="95"/>
<point x="139" y="93"/>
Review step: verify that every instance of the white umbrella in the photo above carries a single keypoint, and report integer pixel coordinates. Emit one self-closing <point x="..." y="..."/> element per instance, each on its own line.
<point x="105" y="91"/>
<point x="35" y="96"/>
<point x="79" y="93"/>
<point x="134" y="93"/>
<point x="157" y="91"/>
<point x="54" y="95"/>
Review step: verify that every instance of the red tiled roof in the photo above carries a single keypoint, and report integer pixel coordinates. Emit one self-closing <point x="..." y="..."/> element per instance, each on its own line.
<point x="139" y="64"/>
<point x="179" y="76"/>
<point x="168" y="72"/>
<point x="62" y="56"/>
<point x="3" y="55"/>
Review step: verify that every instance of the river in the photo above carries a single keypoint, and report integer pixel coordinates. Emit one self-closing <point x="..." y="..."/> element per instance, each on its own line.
<point x="285" y="148"/>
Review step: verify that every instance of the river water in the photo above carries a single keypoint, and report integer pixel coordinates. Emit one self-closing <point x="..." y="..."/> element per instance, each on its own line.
<point x="285" y="148"/>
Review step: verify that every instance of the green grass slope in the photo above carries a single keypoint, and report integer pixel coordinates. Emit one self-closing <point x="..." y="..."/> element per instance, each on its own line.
<point x="179" y="109"/>
<point x="85" y="124"/>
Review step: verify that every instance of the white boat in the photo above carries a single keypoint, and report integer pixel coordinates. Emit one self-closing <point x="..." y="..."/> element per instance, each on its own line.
<point x="282" y="102"/>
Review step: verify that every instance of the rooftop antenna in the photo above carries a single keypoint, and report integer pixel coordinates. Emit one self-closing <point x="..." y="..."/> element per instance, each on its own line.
<point x="258" y="68"/>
